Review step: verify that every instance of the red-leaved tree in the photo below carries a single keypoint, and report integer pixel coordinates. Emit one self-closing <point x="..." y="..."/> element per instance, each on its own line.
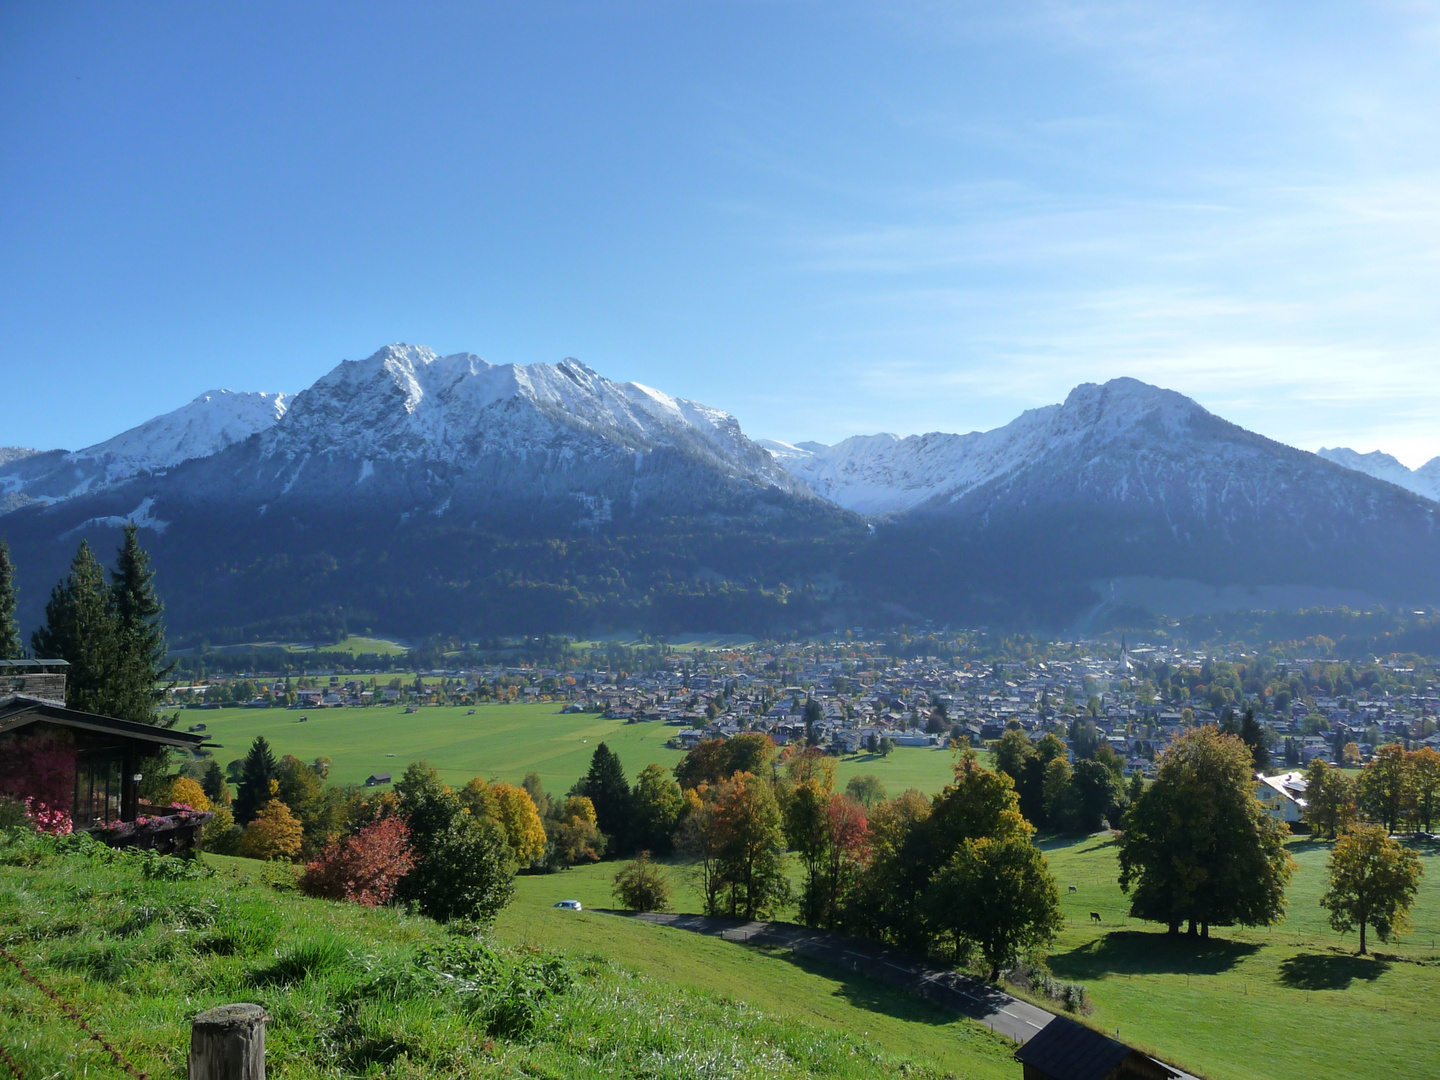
<point x="365" y="867"/>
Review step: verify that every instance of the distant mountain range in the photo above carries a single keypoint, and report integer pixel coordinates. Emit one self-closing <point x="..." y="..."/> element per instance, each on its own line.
<point x="1422" y="481"/>
<point x="419" y="494"/>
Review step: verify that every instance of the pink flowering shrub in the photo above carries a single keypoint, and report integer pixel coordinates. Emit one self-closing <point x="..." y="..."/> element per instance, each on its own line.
<point x="47" y="819"/>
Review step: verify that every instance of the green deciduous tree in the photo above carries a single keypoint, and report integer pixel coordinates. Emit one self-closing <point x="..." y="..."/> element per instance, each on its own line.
<point x="658" y="802"/>
<point x="1372" y="883"/>
<point x="1425" y="785"/>
<point x="1094" y="793"/>
<point x="640" y="885"/>
<point x="867" y="790"/>
<point x="464" y="866"/>
<point x="1383" y="786"/>
<point x="1329" y="799"/>
<point x="1198" y="846"/>
<point x="998" y="894"/>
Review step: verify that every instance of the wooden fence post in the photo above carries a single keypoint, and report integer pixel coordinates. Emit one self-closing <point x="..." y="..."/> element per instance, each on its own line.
<point x="228" y="1043"/>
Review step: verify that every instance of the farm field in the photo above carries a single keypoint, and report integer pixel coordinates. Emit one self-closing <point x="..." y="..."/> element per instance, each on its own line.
<point x="499" y="742"/>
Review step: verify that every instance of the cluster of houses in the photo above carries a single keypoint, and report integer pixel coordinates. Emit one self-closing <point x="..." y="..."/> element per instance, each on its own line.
<point x="850" y="696"/>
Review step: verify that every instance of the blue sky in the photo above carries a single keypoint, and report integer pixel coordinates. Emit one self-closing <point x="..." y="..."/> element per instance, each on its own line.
<point x="828" y="219"/>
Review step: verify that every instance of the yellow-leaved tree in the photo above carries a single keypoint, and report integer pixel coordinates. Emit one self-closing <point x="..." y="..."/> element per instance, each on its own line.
<point x="272" y="834"/>
<point x="188" y="792"/>
<point x="516" y="814"/>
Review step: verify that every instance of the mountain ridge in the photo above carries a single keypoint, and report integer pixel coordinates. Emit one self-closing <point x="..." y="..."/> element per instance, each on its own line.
<point x="423" y="493"/>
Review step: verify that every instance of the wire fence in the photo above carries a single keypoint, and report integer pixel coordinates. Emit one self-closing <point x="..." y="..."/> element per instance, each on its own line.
<point x="73" y="1014"/>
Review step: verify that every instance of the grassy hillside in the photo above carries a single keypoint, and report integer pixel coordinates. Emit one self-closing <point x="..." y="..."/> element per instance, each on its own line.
<point x="1248" y="1005"/>
<point x="1253" y="1005"/>
<point x="500" y="742"/>
<point x="378" y="993"/>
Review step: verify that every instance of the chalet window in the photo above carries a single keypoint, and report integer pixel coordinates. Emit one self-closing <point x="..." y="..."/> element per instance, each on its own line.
<point x="98" y="783"/>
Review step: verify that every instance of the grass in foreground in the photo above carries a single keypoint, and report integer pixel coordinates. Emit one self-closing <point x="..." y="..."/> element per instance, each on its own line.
<point x="357" y="992"/>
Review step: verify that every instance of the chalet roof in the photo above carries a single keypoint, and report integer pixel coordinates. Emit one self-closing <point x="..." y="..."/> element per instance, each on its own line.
<point x="18" y="711"/>
<point x="1066" y="1050"/>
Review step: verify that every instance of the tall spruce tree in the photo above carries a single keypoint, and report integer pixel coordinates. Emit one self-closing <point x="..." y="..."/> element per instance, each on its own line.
<point x="605" y="786"/>
<point x="81" y="628"/>
<point x="256" y="774"/>
<point x="10" y="647"/>
<point x="140" y="633"/>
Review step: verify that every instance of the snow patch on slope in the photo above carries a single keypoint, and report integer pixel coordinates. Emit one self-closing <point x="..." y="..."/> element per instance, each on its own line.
<point x="141" y="516"/>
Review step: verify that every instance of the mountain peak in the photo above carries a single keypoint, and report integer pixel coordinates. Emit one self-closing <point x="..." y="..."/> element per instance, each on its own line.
<point x="1422" y="481"/>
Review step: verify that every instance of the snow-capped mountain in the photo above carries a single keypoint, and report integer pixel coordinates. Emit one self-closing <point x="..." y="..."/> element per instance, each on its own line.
<point x="1422" y="481"/>
<point x="405" y="405"/>
<point x="425" y="494"/>
<point x="205" y="426"/>
<point x="440" y="433"/>
<point x="886" y="474"/>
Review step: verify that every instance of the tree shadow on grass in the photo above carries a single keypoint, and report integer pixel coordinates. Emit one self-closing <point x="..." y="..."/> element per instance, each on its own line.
<point x="1133" y="952"/>
<point x="1332" y="971"/>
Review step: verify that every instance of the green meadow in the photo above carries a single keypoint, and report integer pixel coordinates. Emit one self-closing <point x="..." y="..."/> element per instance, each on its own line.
<point x="498" y="742"/>
<point x="1247" y="1005"/>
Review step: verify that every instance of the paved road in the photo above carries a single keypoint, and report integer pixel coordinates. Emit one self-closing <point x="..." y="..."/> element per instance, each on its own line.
<point x="968" y="996"/>
<point x="971" y="997"/>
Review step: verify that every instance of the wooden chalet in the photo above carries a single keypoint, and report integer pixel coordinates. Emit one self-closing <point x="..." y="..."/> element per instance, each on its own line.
<point x="83" y="763"/>
<point x="1065" y="1050"/>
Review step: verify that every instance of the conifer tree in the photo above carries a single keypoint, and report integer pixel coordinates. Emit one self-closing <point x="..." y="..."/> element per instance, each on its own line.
<point x="10" y="648"/>
<point x="80" y="628"/>
<point x="256" y="776"/>
<point x="606" y="787"/>
<point x="140" y="633"/>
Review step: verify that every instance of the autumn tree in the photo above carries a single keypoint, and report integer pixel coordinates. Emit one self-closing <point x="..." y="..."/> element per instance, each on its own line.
<point x="574" y="837"/>
<point x="273" y="833"/>
<point x="363" y="868"/>
<point x="1383" y="786"/>
<point x="1329" y="799"/>
<point x="700" y="836"/>
<point x="517" y="817"/>
<point x="752" y="867"/>
<point x="1372" y="883"/>
<point x="714" y="760"/>
<point x="1198" y="846"/>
